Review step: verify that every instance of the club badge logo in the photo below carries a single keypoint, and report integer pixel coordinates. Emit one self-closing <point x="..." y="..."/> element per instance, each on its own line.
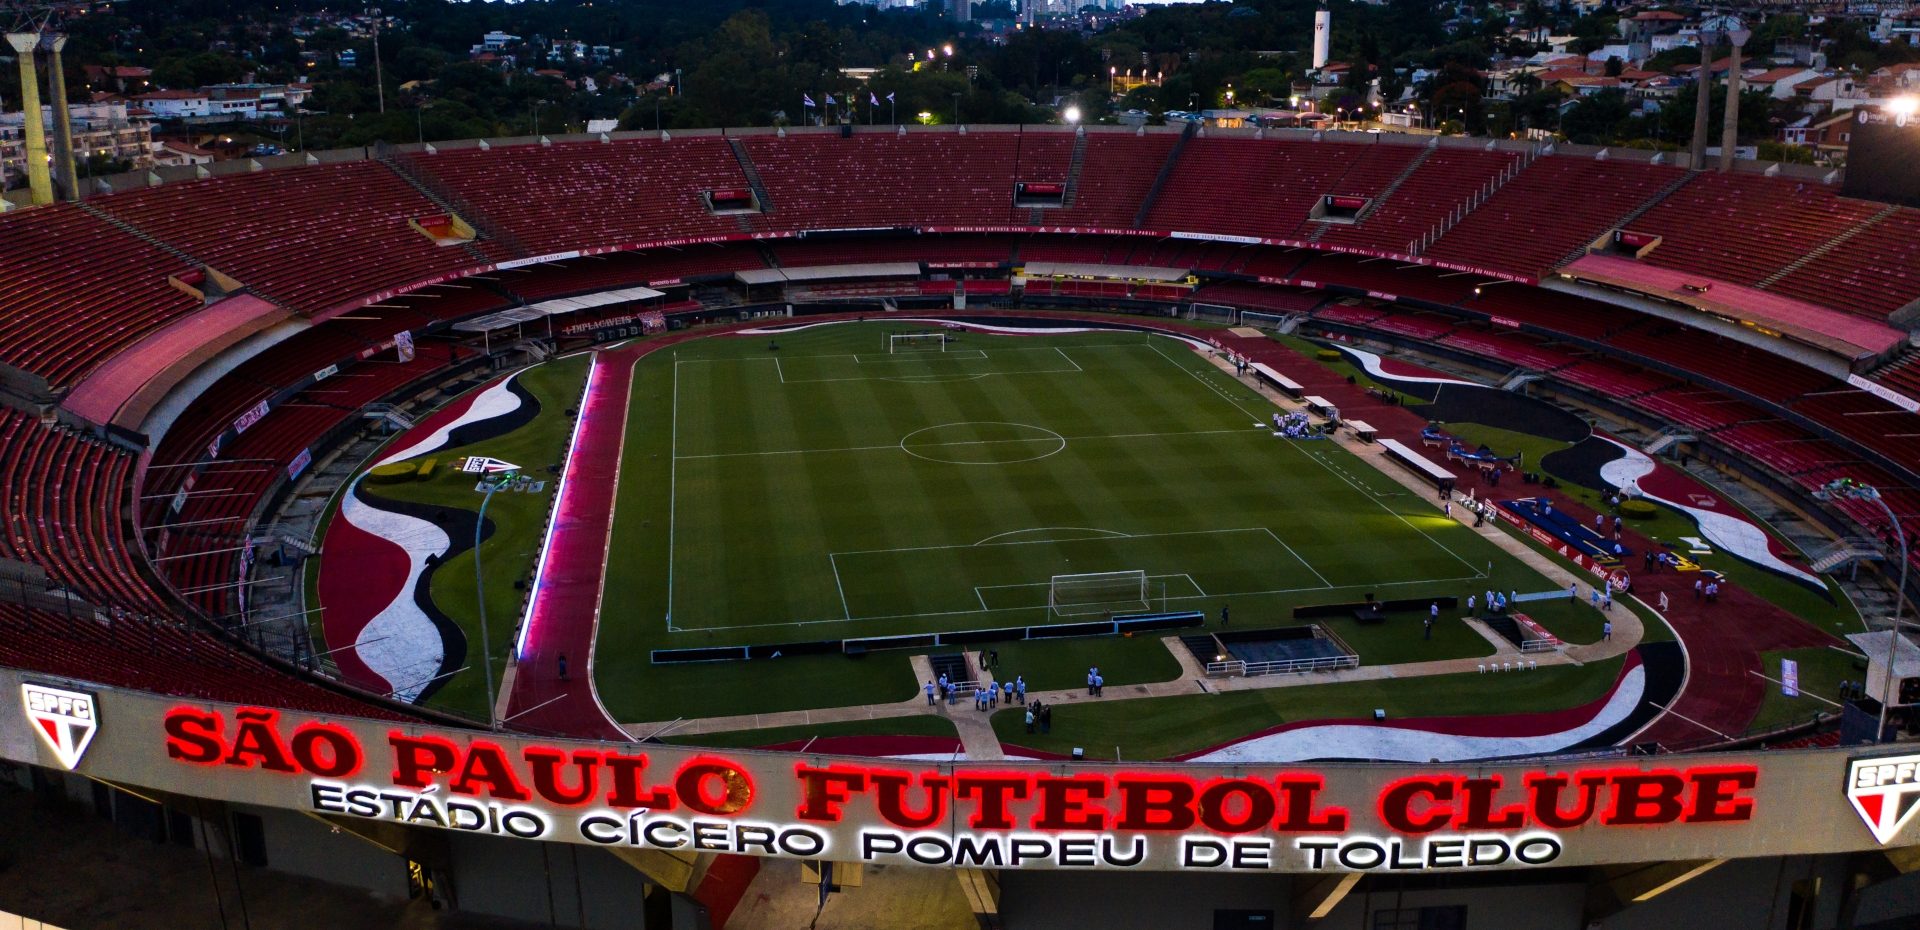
<point x="65" y="720"/>
<point x="1886" y="792"/>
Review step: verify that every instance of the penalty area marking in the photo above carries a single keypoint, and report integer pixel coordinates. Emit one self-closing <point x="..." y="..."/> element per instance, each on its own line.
<point x="1039" y="529"/>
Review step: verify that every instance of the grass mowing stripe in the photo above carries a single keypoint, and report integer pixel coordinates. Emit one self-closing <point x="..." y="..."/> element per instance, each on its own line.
<point x="759" y="539"/>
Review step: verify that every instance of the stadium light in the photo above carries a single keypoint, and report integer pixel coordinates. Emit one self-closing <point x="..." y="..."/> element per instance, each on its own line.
<point x="1849" y="488"/>
<point x="1904" y="106"/>
<point x="1071" y="115"/>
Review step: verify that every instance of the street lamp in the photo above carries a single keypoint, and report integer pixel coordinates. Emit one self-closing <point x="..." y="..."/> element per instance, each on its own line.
<point x="1849" y="488"/>
<point x="480" y="595"/>
<point x="1071" y="115"/>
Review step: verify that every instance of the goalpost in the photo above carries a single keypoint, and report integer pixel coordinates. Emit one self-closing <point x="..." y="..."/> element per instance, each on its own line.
<point x="1099" y="592"/>
<point x="916" y="342"/>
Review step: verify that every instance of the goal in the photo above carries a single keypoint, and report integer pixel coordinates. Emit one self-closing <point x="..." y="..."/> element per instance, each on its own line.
<point x="916" y="342"/>
<point x="1100" y="592"/>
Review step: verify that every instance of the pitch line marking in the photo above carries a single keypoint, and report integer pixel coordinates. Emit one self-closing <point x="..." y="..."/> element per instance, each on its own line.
<point x="673" y="484"/>
<point x="879" y="356"/>
<point x="832" y="559"/>
<point x="1044" y="542"/>
<point x="968" y="442"/>
<point x="1035" y="529"/>
<point x="1297" y="557"/>
<point x="1002" y="610"/>
<point x="1322" y="463"/>
<point x="1050" y="437"/>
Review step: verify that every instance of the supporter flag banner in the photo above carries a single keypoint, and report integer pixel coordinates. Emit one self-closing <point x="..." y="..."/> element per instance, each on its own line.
<point x="1789" y="678"/>
<point x="299" y="464"/>
<point x="484" y="465"/>
<point x="1251" y="818"/>
<point x="403" y="342"/>
<point x="808" y="100"/>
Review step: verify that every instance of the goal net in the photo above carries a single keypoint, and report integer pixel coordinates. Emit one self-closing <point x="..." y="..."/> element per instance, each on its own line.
<point x="916" y="342"/>
<point x="1100" y="592"/>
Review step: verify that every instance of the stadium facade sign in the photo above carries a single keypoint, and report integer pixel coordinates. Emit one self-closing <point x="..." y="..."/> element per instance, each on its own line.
<point x="1336" y="817"/>
<point x="64" y="720"/>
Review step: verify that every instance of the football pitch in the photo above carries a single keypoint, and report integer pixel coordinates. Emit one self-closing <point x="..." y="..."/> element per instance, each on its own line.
<point x="832" y="488"/>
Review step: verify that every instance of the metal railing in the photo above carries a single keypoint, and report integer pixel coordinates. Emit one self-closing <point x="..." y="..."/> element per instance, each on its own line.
<point x="1237" y="668"/>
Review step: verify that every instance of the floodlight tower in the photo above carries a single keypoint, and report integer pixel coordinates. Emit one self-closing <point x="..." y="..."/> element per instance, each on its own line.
<point x="1322" y="37"/>
<point x="1730" y="131"/>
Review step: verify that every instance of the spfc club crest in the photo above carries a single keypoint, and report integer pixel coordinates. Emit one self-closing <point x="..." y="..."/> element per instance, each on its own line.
<point x="65" y="720"/>
<point x="1886" y="792"/>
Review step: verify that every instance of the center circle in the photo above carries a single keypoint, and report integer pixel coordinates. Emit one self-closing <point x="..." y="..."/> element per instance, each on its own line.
<point x="982" y="443"/>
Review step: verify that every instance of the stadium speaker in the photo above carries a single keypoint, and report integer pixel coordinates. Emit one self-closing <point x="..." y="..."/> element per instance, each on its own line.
<point x="1079" y="754"/>
<point x="1379" y="713"/>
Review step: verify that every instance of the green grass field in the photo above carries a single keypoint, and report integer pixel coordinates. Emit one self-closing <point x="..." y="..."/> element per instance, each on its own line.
<point x="831" y="489"/>
<point x="1156" y="728"/>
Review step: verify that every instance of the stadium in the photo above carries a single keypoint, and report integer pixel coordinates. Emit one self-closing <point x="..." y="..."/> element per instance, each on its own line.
<point x="964" y="515"/>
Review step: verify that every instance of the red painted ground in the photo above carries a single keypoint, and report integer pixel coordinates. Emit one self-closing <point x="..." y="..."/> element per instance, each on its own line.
<point x="360" y="574"/>
<point x="566" y="602"/>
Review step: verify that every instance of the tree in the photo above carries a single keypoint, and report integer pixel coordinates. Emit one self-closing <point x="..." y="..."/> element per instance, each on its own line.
<point x="1597" y="119"/>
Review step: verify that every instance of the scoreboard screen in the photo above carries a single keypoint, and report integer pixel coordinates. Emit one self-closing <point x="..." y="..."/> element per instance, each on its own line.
<point x="1880" y="157"/>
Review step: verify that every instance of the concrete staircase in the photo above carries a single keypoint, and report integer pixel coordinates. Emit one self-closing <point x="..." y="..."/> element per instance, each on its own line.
<point x="1828" y="246"/>
<point x="1634" y="214"/>
<point x="1073" y="169"/>
<point x="1464" y="208"/>
<point x="759" y="188"/>
<point x="139" y="233"/>
<point x="1667" y="439"/>
<point x="1166" y="171"/>
<point x="444" y="198"/>
<point x="1841" y="552"/>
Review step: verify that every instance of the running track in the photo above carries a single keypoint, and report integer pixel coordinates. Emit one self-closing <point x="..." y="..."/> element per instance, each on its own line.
<point x="1723" y="641"/>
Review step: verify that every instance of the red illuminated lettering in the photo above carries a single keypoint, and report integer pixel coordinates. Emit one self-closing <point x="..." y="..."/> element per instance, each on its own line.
<point x="1646" y="798"/>
<point x="257" y="742"/>
<point x="1716" y="796"/>
<point x="1479" y="813"/>
<point x="1063" y="804"/>
<point x="890" y="796"/>
<point x="326" y="750"/>
<point x="713" y="787"/>
<point x="626" y="791"/>
<point x="416" y="760"/>
<point x="1398" y="800"/>
<point x="1155" y="804"/>
<point x="1544" y="792"/>
<point x="547" y="778"/>
<point x="823" y="791"/>
<point x="486" y="771"/>
<point x="994" y="792"/>
<point x="1297" y="795"/>
<point x="193" y="736"/>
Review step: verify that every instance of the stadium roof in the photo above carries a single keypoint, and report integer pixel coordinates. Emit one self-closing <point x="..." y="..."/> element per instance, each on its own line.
<point x="1833" y="330"/>
<point x="828" y="272"/>
<point x="516" y="315"/>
